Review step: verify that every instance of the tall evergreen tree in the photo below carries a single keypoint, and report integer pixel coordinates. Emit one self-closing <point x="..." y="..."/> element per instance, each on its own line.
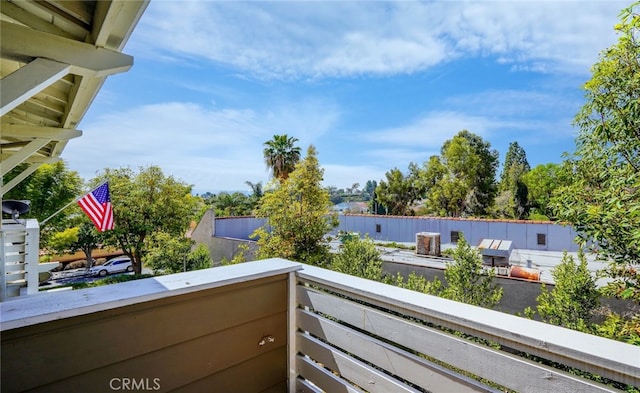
<point x="513" y="190"/>
<point x="515" y="157"/>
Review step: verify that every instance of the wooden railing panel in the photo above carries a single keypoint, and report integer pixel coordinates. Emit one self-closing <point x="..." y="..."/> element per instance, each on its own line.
<point x="504" y="369"/>
<point x="181" y="364"/>
<point x="351" y="369"/>
<point x="394" y="360"/>
<point x="250" y="376"/>
<point x="604" y="357"/>
<point x="111" y="337"/>
<point x="171" y="331"/>
<point x="305" y="386"/>
<point x="322" y="378"/>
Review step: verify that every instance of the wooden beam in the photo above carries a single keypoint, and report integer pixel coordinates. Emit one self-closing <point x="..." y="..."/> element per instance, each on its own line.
<point x="23" y="43"/>
<point x="29" y="80"/>
<point x="23" y="175"/>
<point x="53" y="133"/>
<point x="24" y="153"/>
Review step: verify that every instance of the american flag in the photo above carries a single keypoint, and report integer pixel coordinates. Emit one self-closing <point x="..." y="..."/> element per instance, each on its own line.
<point x="97" y="205"/>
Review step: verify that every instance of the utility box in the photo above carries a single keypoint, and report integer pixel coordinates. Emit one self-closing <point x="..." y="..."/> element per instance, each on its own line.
<point x="495" y="252"/>
<point x="428" y="243"/>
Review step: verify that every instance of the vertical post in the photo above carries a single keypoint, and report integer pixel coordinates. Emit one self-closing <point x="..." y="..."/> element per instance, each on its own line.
<point x="292" y="328"/>
<point x="3" y="275"/>
<point x="32" y="255"/>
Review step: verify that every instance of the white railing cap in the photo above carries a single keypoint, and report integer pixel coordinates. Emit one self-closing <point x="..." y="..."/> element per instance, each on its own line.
<point x="45" y="307"/>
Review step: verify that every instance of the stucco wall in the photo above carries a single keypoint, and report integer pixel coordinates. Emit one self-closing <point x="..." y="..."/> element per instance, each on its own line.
<point x="234" y="236"/>
<point x="523" y="234"/>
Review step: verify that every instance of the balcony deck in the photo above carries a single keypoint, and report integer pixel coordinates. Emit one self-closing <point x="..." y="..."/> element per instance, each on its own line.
<point x="278" y="326"/>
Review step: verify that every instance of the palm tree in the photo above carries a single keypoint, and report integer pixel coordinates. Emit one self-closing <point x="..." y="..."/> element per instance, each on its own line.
<point x="281" y="155"/>
<point x="256" y="189"/>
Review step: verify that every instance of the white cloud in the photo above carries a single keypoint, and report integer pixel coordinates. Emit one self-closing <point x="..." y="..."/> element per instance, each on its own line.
<point x="216" y="149"/>
<point x="431" y="130"/>
<point x="342" y="176"/>
<point x="293" y="40"/>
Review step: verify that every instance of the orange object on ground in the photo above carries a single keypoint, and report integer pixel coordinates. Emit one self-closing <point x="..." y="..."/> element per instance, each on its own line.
<point x="525" y="272"/>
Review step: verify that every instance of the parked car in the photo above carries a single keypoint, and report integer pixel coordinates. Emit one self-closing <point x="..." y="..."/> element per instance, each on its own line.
<point x="115" y="265"/>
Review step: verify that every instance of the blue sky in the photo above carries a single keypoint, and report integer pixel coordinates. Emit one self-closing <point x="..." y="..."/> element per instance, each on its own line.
<point x="372" y="85"/>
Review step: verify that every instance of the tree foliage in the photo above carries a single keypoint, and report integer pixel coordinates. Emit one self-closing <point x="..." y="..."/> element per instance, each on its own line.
<point x="49" y="188"/>
<point x="542" y="181"/>
<point x="170" y="254"/>
<point x="83" y="238"/>
<point x="234" y="204"/>
<point x="512" y="187"/>
<point x="281" y="155"/>
<point x="516" y="156"/>
<point x="358" y="257"/>
<point x="603" y="200"/>
<point x="573" y="299"/>
<point x="461" y="181"/>
<point x="419" y="283"/>
<point x="86" y="241"/>
<point x="144" y="203"/>
<point x="467" y="280"/>
<point x="397" y="193"/>
<point x="63" y="241"/>
<point x="298" y="216"/>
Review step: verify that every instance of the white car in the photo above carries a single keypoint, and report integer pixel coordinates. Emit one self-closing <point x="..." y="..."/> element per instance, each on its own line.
<point x="115" y="265"/>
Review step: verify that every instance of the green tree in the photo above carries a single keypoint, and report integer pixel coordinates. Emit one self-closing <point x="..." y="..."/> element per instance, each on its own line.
<point x="398" y="192"/>
<point x="358" y="257"/>
<point x="87" y="240"/>
<point x="368" y="190"/>
<point x="621" y="327"/>
<point x="515" y="156"/>
<point x="297" y="216"/>
<point x="83" y="238"/>
<point x="49" y="188"/>
<point x="232" y="204"/>
<point x="419" y="283"/>
<point x="603" y="200"/>
<point x="144" y="203"/>
<point x="461" y="181"/>
<point x="336" y="196"/>
<point x="170" y="254"/>
<point x="63" y="241"/>
<point x="281" y="155"/>
<point x="513" y="189"/>
<point x="542" y="181"/>
<point x="256" y="194"/>
<point x="573" y="299"/>
<point x="467" y="280"/>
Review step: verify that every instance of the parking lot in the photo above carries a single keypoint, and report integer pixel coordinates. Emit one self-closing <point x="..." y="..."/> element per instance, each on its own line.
<point x="68" y="277"/>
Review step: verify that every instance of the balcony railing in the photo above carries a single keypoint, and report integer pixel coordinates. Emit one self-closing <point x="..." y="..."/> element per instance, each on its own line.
<point x="278" y="326"/>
